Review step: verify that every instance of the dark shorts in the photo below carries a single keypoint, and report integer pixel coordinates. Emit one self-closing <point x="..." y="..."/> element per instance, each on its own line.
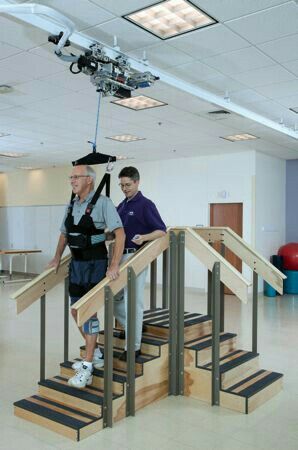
<point x="84" y="275"/>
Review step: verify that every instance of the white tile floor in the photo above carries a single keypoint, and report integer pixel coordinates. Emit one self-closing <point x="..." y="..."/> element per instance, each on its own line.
<point x="174" y="423"/>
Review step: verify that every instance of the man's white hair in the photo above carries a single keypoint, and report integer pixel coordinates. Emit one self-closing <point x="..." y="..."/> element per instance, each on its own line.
<point x="91" y="173"/>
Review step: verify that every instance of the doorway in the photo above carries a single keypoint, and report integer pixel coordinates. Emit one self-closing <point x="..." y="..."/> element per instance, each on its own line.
<point x="228" y="215"/>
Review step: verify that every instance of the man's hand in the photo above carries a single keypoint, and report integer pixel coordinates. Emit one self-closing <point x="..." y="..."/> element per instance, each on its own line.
<point x="138" y="239"/>
<point x="113" y="271"/>
<point x="55" y="262"/>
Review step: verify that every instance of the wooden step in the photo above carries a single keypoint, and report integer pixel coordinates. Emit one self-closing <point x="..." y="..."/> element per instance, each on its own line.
<point x="150" y="344"/>
<point x="70" y="422"/>
<point x="252" y="391"/>
<point x="234" y="365"/>
<point x="200" y="350"/>
<point x="122" y="365"/>
<point x="156" y="322"/>
<point x="88" y="399"/>
<point x="98" y="377"/>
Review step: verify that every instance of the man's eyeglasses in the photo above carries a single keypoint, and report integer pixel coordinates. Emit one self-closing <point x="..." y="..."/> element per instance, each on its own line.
<point x="125" y="185"/>
<point x="76" y="177"/>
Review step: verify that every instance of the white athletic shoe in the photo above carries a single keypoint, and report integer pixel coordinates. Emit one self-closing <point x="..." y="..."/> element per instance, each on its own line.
<point x="82" y="378"/>
<point x="98" y="361"/>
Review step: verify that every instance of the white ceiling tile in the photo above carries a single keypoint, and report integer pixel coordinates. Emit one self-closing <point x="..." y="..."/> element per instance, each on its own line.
<point x="278" y="90"/>
<point x="229" y="9"/>
<point x="281" y="50"/>
<point x="48" y="51"/>
<point x="121" y="8"/>
<point x="21" y="35"/>
<point x="238" y="61"/>
<point x="129" y="36"/>
<point x="292" y="66"/>
<point x="289" y="102"/>
<point x="265" y="75"/>
<point x="8" y="50"/>
<point x="193" y="72"/>
<point x="162" y="55"/>
<point x="11" y="77"/>
<point x="246" y="97"/>
<point x="267" y="25"/>
<point x="221" y="84"/>
<point x="208" y="41"/>
<point x="69" y="80"/>
<point x="41" y="90"/>
<point x="272" y="110"/>
<point x="31" y="65"/>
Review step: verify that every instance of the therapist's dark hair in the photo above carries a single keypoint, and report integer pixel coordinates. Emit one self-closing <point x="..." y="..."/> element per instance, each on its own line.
<point x="130" y="172"/>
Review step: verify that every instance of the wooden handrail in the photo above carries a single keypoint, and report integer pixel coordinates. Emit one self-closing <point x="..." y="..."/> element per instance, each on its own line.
<point x="94" y="299"/>
<point x="230" y="276"/>
<point x="246" y="253"/>
<point x="40" y="285"/>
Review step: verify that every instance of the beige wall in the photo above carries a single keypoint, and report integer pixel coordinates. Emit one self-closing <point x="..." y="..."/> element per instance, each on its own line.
<point x="37" y="187"/>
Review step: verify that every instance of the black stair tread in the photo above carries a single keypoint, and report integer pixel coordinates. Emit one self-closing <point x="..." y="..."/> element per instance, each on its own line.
<point x="96" y="372"/>
<point x="225" y="367"/>
<point x="154" y="312"/>
<point x="146" y="338"/>
<point x="188" y="321"/>
<point x="141" y="359"/>
<point x="60" y="417"/>
<point x="207" y="342"/>
<point x="83" y="394"/>
<point x="164" y="320"/>
<point x="256" y="386"/>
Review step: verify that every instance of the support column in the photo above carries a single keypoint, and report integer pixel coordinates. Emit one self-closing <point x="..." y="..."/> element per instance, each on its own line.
<point x="180" y="313"/>
<point x="165" y="279"/>
<point x="108" y="359"/>
<point x="153" y="283"/>
<point x="255" y="313"/>
<point x="42" y="337"/>
<point x="173" y="316"/>
<point x="66" y="319"/>
<point x="131" y="336"/>
<point x="215" y="333"/>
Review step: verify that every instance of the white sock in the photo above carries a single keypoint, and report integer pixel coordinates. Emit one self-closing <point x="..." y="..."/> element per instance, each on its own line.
<point x="97" y="353"/>
<point x="88" y="365"/>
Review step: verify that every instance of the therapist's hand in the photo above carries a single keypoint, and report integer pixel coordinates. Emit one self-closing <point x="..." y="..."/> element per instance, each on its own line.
<point x="138" y="239"/>
<point x="113" y="271"/>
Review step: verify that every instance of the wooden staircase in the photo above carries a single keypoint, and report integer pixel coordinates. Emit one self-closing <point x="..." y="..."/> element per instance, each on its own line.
<point x="77" y="413"/>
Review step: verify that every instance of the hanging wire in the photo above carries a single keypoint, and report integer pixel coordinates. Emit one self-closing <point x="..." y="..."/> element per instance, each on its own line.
<point x="96" y="126"/>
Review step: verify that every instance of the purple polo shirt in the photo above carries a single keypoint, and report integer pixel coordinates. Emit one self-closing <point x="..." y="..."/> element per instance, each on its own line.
<point x="139" y="216"/>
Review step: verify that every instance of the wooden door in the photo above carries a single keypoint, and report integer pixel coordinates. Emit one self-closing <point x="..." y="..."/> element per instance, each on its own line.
<point x="228" y="215"/>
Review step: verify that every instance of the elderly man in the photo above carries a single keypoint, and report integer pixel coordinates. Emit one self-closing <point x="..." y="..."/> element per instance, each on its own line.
<point x="82" y="229"/>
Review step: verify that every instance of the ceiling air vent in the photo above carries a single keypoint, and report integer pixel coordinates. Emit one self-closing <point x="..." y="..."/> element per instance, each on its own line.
<point x="217" y="114"/>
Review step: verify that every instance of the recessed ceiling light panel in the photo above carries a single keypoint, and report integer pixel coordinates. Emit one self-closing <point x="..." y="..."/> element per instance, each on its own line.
<point x="240" y="137"/>
<point x="125" y="138"/>
<point x="13" y="155"/>
<point x="170" y="18"/>
<point x="139" y="102"/>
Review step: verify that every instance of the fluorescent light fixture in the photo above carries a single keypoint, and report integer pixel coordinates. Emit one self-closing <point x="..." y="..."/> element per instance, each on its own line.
<point x="295" y="110"/>
<point x="13" y="155"/>
<point x="139" y="102"/>
<point x="239" y="137"/>
<point x="28" y="168"/>
<point x="170" y="18"/>
<point x="125" y="138"/>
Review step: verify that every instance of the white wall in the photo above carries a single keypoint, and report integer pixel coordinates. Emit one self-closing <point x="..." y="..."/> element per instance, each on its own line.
<point x="182" y="190"/>
<point x="270" y="204"/>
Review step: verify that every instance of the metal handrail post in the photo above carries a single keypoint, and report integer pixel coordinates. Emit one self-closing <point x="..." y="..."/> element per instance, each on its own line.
<point x="180" y="313"/>
<point x="108" y="359"/>
<point x="153" y="284"/>
<point x="42" y="337"/>
<point x="66" y="319"/>
<point x="222" y="293"/>
<point x="215" y="333"/>
<point x="131" y="334"/>
<point x="255" y="313"/>
<point x="173" y="316"/>
<point x="165" y="279"/>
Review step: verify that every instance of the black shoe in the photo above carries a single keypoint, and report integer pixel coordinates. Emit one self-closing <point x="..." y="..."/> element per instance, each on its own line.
<point x="121" y="334"/>
<point x="123" y="356"/>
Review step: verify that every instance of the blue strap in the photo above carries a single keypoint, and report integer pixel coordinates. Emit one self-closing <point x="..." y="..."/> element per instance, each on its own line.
<point x="96" y="127"/>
